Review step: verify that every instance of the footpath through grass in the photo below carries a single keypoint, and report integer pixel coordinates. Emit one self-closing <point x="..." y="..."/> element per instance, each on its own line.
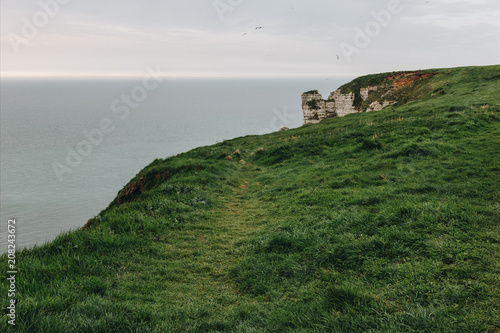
<point x="375" y="222"/>
<point x="144" y="277"/>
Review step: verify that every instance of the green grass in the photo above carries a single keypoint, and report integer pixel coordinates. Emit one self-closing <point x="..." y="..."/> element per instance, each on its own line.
<point x="375" y="222"/>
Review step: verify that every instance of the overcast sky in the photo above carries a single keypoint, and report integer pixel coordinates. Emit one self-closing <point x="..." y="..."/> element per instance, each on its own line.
<point x="218" y="38"/>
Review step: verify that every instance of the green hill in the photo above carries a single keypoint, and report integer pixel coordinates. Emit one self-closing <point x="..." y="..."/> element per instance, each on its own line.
<point x="383" y="221"/>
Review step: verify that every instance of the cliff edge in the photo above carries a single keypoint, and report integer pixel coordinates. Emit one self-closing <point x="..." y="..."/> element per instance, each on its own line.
<point x="367" y="93"/>
<point x="376" y="222"/>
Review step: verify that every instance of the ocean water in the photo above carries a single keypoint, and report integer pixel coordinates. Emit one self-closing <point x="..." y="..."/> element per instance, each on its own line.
<point x="68" y="146"/>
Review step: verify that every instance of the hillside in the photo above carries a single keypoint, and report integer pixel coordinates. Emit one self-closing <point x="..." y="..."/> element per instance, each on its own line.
<point x="384" y="221"/>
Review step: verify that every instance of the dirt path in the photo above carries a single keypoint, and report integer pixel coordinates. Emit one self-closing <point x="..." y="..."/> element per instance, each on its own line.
<point x="201" y="261"/>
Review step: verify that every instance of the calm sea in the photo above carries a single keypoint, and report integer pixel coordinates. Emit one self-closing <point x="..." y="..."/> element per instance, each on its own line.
<point x="49" y="189"/>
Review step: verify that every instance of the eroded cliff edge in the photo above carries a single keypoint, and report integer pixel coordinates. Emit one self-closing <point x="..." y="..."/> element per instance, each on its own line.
<point x="367" y="93"/>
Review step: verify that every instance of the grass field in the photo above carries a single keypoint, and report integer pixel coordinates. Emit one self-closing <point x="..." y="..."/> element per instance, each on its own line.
<point x="382" y="221"/>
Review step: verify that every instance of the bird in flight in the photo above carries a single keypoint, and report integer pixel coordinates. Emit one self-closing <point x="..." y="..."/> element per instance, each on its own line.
<point x="244" y="34"/>
<point x="258" y="28"/>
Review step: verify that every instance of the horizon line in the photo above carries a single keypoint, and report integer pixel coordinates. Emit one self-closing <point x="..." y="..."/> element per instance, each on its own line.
<point x="9" y="75"/>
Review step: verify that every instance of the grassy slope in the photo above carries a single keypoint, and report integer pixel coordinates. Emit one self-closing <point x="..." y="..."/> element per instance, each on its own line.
<point x="384" y="222"/>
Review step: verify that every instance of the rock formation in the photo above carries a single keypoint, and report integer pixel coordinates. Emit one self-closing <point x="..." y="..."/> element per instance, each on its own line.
<point x="370" y="93"/>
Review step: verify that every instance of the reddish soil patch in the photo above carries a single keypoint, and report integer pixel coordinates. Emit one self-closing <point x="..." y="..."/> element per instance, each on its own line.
<point x="403" y="79"/>
<point x="162" y="176"/>
<point x="88" y="225"/>
<point x="132" y="191"/>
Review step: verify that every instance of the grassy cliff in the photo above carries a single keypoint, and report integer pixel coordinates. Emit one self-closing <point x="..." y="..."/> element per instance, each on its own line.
<point x="383" y="221"/>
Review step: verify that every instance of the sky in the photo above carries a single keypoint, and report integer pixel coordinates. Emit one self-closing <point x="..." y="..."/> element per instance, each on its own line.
<point x="244" y="38"/>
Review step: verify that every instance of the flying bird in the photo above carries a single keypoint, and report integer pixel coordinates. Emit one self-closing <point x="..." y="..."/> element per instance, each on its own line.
<point x="258" y="28"/>
<point x="244" y="34"/>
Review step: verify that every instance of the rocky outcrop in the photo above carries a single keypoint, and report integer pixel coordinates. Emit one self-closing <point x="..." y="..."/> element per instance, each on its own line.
<point x="361" y="95"/>
<point x="315" y="108"/>
<point x="342" y="103"/>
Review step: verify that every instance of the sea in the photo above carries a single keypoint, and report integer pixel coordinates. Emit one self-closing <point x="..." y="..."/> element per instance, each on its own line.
<point x="69" y="145"/>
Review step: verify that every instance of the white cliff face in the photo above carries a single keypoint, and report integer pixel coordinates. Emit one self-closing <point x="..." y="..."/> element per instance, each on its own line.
<point x="377" y="106"/>
<point x="366" y="91"/>
<point x="312" y="106"/>
<point x="315" y="108"/>
<point x="343" y="102"/>
<point x="370" y="98"/>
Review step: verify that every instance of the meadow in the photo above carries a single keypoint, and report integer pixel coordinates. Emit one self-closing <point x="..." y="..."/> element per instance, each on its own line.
<point x="383" y="221"/>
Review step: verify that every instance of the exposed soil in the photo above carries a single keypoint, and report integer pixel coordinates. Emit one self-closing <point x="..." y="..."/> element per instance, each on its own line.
<point x="403" y="79"/>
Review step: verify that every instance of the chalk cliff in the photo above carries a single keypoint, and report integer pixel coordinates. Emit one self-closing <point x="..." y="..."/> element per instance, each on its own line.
<point x="368" y="93"/>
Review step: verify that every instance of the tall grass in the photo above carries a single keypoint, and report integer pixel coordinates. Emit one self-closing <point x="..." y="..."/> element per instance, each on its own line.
<point x="376" y="222"/>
